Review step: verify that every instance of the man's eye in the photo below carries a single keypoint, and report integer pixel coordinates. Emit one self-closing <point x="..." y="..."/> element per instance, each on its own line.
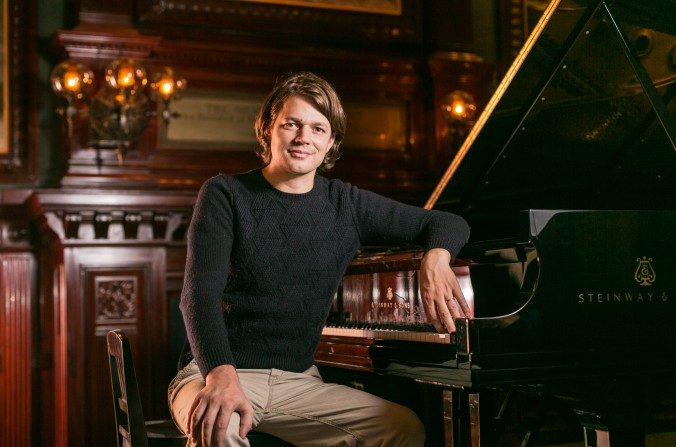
<point x="320" y="130"/>
<point x="289" y="125"/>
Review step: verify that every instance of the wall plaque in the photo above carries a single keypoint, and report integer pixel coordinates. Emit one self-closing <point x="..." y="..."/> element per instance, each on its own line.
<point x="211" y="120"/>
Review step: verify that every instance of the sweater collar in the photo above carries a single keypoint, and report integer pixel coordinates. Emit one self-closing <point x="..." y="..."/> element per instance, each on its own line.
<point x="288" y="195"/>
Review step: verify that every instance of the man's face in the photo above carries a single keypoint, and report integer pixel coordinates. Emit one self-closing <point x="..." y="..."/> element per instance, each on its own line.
<point x="300" y="137"/>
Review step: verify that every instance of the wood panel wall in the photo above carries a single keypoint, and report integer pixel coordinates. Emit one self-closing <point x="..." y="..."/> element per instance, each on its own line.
<point x="240" y="48"/>
<point x="118" y="249"/>
<point x="104" y="249"/>
<point x="18" y="350"/>
<point x="17" y="273"/>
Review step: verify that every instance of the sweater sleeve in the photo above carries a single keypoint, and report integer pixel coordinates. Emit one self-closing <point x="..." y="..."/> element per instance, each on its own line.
<point x="382" y="219"/>
<point x="209" y="244"/>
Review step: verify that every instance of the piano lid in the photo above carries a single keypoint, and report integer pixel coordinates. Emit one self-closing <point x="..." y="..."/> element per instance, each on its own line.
<point x="583" y="119"/>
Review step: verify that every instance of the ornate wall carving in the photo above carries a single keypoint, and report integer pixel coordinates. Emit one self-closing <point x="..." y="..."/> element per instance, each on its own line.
<point x="116" y="299"/>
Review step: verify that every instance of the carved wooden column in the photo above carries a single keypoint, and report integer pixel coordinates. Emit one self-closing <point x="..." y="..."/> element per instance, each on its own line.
<point x="18" y="297"/>
<point x="31" y="287"/>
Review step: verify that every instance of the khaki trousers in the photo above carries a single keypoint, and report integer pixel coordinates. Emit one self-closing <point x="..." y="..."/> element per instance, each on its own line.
<point x="303" y="410"/>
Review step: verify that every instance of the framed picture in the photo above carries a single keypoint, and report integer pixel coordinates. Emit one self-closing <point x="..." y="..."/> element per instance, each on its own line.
<point x="17" y="144"/>
<point x="351" y="21"/>
<point x="369" y="6"/>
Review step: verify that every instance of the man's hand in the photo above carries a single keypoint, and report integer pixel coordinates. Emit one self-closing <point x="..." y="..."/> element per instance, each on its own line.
<point x="214" y="404"/>
<point x="441" y="294"/>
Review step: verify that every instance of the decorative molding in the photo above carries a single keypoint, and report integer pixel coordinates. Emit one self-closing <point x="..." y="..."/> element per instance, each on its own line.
<point x="120" y="225"/>
<point x="118" y="218"/>
<point x="100" y="47"/>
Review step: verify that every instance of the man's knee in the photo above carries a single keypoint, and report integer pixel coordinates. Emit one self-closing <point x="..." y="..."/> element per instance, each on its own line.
<point x="232" y="438"/>
<point x="411" y="428"/>
<point x="400" y="427"/>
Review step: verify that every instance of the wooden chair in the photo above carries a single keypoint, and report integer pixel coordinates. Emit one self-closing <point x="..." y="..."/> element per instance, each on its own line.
<point x="132" y="429"/>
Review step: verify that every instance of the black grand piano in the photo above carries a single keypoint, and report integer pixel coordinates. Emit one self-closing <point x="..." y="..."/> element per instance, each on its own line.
<point x="568" y="180"/>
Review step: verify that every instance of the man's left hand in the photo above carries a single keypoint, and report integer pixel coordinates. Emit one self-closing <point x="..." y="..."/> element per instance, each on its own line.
<point x="441" y="293"/>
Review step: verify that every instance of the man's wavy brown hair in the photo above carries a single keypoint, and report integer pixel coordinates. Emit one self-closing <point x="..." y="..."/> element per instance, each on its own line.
<point x="320" y="93"/>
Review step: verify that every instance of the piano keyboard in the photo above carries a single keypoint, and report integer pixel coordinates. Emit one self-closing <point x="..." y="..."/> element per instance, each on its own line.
<point x="388" y="334"/>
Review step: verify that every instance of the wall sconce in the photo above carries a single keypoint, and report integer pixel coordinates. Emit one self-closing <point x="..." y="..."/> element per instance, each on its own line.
<point x="121" y="109"/>
<point x="458" y="109"/>
<point x="458" y="106"/>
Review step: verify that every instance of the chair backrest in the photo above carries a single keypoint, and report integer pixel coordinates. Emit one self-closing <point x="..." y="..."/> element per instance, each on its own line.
<point x="131" y="431"/>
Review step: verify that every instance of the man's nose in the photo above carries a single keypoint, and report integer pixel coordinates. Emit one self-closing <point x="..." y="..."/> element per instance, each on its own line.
<point x="303" y="134"/>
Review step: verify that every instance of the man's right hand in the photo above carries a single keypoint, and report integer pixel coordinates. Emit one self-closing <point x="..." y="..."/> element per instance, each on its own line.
<point x="213" y="406"/>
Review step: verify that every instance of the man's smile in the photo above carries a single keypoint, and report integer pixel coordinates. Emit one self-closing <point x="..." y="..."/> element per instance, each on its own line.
<point x="297" y="153"/>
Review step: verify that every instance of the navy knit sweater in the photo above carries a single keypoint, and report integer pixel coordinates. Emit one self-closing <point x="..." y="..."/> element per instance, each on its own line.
<point x="263" y="265"/>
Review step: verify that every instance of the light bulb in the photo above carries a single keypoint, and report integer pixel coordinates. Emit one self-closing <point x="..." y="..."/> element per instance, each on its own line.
<point x="125" y="74"/>
<point x="166" y="85"/>
<point x="72" y="80"/>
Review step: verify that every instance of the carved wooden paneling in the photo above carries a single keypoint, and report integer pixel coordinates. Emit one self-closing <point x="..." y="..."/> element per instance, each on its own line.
<point x="113" y="288"/>
<point x="118" y="217"/>
<point x="20" y="359"/>
<point x="372" y="78"/>
<point x="115" y="299"/>
<point x="176" y="256"/>
<point x="17" y="295"/>
<point x="123" y="254"/>
<point x="240" y="48"/>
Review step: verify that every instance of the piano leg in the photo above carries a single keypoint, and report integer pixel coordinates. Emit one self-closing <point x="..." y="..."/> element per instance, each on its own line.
<point x="448" y="418"/>
<point x="596" y="437"/>
<point x="603" y="437"/>
<point x="609" y="430"/>
<point x="461" y="418"/>
<point x="474" y="420"/>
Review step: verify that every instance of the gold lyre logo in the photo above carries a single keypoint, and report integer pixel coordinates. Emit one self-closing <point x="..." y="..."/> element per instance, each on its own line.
<point x="645" y="274"/>
<point x="390" y="294"/>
